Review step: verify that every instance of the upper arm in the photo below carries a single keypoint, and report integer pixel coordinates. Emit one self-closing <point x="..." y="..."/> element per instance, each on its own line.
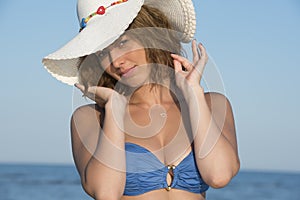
<point x="99" y="179"/>
<point x="223" y="115"/>
<point x="85" y="130"/>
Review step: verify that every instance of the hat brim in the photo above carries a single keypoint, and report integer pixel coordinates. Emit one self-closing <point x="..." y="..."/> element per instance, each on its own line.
<point x="63" y="64"/>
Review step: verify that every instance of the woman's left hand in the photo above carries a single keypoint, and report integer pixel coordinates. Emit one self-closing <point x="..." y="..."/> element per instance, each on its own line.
<point x="188" y="75"/>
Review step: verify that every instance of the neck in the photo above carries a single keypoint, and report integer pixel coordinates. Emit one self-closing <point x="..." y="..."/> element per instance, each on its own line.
<point x="151" y="94"/>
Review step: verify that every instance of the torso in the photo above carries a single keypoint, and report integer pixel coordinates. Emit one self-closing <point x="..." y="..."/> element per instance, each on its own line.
<point x="164" y="136"/>
<point x="170" y="144"/>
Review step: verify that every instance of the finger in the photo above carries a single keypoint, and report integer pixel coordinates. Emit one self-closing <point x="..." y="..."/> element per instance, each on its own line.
<point x="204" y="55"/>
<point x="196" y="55"/>
<point x="183" y="61"/>
<point x="200" y="64"/>
<point x="85" y="93"/>
<point x="79" y="86"/>
<point x="177" y="66"/>
<point x="82" y="89"/>
<point x="92" y="90"/>
<point x="179" y="74"/>
<point x="100" y="92"/>
<point x="93" y="93"/>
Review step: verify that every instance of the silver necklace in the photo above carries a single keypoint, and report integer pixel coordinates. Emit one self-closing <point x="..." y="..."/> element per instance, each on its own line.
<point x="164" y="114"/>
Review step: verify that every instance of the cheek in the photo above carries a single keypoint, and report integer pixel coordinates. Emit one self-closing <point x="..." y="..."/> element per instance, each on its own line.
<point x="106" y="66"/>
<point x="137" y="56"/>
<point x="142" y="56"/>
<point x="112" y="73"/>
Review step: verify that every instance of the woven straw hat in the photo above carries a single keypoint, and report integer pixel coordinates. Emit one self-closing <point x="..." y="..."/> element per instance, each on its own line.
<point x="97" y="34"/>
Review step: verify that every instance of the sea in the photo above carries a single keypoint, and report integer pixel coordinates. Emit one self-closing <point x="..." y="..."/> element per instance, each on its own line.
<point x="61" y="182"/>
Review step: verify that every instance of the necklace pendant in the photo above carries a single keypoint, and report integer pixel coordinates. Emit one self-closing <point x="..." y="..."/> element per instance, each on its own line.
<point x="164" y="115"/>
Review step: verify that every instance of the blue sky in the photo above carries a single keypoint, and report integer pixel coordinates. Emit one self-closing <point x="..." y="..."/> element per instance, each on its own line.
<point x="253" y="43"/>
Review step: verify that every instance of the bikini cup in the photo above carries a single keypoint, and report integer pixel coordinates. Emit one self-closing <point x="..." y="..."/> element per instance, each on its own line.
<point x="145" y="172"/>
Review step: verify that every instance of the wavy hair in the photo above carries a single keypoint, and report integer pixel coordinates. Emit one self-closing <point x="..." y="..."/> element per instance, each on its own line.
<point x="151" y="29"/>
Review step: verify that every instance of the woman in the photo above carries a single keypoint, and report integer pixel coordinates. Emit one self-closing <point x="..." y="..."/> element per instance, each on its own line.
<point x="153" y="132"/>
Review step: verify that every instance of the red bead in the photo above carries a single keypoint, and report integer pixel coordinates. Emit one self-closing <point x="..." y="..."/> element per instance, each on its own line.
<point x="101" y="10"/>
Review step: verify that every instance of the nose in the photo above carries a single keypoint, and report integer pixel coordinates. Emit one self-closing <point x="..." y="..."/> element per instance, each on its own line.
<point x="117" y="58"/>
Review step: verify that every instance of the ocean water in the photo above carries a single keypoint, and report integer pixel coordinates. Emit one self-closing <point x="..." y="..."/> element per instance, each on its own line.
<point x="42" y="182"/>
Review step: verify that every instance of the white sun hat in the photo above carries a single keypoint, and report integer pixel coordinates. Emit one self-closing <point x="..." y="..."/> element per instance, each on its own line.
<point x="103" y="21"/>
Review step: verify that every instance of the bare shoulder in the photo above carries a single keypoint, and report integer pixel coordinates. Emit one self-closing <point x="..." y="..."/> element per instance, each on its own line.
<point x="87" y="110"/>
<point x="219" y="104"/>
<point x="215" y="97"/>
<point x="90" y="114"/>
<point x="222" y="113"/>
<point x="221" y="110"/>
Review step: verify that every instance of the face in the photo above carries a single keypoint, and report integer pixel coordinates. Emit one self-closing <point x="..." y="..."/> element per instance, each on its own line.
<point x="125" y="60"/>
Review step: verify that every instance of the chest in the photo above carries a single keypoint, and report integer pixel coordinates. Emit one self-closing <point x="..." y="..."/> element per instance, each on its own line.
<point x="161" y="130"/>
<point x="156" y="120"/>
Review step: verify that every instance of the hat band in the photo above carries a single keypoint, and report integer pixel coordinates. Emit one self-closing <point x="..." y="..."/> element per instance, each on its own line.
<point x="100" y="11"/>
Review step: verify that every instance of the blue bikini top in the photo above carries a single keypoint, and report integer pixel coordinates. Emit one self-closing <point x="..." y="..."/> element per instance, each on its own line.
<point x="145" y="172"/>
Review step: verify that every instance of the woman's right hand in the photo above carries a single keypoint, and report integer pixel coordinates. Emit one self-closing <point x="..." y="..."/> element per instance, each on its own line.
<point x="101" y="95"/>
<point x="113" y="102"/>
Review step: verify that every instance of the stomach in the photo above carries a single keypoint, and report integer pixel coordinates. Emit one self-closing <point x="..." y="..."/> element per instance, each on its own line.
<point x="173" y="194"/>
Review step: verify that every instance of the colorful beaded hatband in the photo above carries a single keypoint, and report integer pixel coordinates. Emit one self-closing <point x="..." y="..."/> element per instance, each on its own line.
<point x="100" y="11"/>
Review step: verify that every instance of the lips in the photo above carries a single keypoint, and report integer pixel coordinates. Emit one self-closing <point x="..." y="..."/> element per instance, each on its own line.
<point x="128" y="72"/>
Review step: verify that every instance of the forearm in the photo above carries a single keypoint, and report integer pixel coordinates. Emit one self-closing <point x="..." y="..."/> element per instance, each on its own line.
<point x="215" y="155"/>
<point x="105" y="173"/>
